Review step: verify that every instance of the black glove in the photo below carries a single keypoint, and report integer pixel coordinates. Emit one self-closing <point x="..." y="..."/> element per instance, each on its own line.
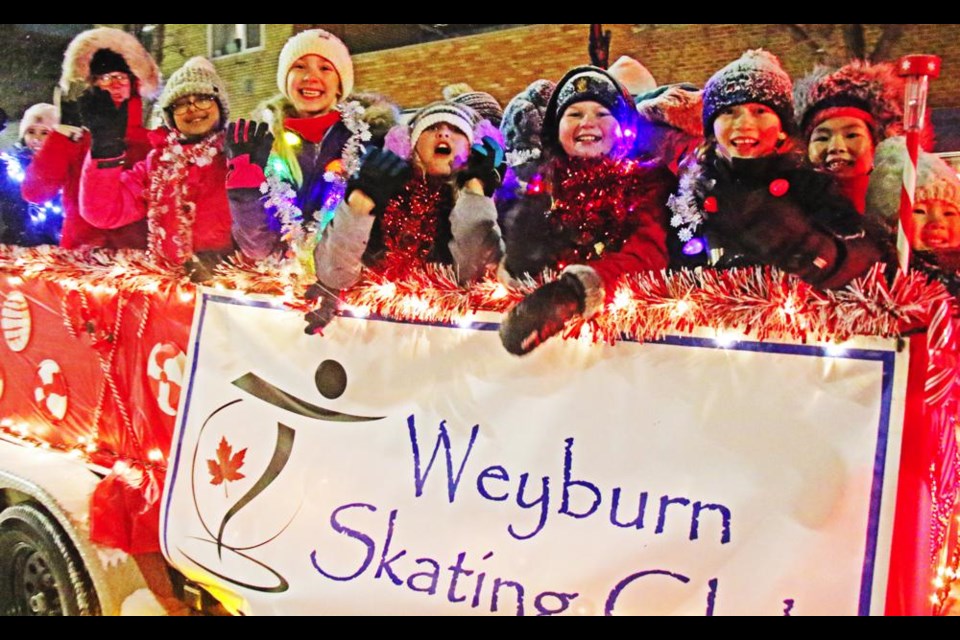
<point x="542" y="314"/>
<point x="532" y="242"/>
<point x="106" y="121"/>
<point x="381" y="176"/>
<point x="485" y="163"/>
<point x="68" y="105"/>
<point x="70" y="114"/>
<point x="318" y="319"/>
<point x="249" y="138"/>
<point x="775" y="229"/>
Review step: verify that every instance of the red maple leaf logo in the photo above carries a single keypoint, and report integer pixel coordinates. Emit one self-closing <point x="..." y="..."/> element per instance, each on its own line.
<point x="226" y="468"/>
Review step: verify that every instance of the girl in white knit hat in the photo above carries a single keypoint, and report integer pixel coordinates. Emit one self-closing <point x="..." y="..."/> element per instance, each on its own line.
<point x="24" y="223"/>
<point x="936" y="202"/>
<point x="300" y="144"/>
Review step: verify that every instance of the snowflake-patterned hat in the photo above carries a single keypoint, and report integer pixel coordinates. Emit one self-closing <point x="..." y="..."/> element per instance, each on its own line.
<point x="871" y="92"/>
<point x="320" y="43"/>
<point x="756" y="76"/>
<point x="523" y="122"/>
<point x="197" y="76"/>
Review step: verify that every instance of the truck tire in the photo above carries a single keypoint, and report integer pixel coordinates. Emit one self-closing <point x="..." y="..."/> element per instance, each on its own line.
<point x="40" y="570"/>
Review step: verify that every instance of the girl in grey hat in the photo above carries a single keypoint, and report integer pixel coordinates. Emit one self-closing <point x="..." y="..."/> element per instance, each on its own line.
<point x="180" y="187"/>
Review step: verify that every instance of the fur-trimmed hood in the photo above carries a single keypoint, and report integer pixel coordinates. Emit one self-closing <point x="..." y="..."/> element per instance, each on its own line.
<point x="76" y="59"/>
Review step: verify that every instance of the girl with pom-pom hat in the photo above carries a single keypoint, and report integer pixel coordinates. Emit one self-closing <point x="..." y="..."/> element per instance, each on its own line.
<point x="298" y="148"/>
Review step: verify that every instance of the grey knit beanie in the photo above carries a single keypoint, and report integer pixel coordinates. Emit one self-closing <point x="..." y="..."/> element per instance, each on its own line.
<point x="197" y="76"/>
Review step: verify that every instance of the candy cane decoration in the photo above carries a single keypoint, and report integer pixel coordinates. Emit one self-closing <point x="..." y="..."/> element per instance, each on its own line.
<point x="917" y="69"/>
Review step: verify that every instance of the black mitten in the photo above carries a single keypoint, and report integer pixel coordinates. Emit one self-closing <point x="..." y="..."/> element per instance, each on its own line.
<point x="485" y="163"/>
<point x="201" y="266"/>
<point x="249" y="138"/>
<point x="760" y="217"/>
<point x="68" y="105"/>
<point x="381" y="176"/>
<point x="542" y="314"/>
<point x="319" y="318"/>
<point x="106" y="121"/>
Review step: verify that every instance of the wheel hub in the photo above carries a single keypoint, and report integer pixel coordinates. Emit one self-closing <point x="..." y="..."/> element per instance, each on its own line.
<point x="36" y="585"/>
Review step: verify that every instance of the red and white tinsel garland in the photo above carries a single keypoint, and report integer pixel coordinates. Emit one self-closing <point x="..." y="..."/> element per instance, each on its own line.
<point x="168" y="191"/>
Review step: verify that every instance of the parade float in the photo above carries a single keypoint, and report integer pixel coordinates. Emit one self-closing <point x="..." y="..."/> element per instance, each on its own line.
<point x="715" y="443"/>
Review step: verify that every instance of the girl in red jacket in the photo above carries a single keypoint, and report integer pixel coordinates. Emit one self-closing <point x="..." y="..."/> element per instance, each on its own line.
<point x="113" y="71"/>
<point x="180" y="188"/>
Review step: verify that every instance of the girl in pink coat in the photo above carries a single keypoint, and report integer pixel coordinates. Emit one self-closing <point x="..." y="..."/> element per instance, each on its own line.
<point x="180" y="188"/>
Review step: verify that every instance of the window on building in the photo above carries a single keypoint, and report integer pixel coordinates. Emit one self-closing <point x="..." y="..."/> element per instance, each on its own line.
<point x="228" y="39"/>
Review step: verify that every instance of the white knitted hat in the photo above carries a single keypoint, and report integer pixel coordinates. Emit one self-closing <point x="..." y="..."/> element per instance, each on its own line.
<point x="42" y="113"/>
<point x="936" y="180"/>
<point x="321" y="43"/>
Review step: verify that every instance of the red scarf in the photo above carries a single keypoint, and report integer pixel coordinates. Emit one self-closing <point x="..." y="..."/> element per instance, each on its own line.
<point x="312" y="129"/>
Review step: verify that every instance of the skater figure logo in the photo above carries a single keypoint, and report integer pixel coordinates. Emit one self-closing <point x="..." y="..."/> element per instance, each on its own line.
<point x="220" y="460"/>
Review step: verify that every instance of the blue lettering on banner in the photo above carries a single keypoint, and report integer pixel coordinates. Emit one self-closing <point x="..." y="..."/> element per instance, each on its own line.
<point x="493" y="483"/>
<point x="466" y="581"/>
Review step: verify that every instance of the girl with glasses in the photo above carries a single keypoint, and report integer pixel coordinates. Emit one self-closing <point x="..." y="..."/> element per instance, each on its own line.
<point x="106" y="75"/>
<point x="180" y="188"/>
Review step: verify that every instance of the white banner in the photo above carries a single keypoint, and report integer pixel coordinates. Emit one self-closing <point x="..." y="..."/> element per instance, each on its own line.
<point x="391" y="468"/>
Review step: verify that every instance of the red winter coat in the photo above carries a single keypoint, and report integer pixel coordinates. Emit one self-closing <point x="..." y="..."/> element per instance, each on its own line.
<point x="112" y="197"/>
<point x="58" y="165"/>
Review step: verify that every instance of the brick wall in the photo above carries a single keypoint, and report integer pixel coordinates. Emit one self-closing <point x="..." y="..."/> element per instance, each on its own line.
<point x="504" y="62"/>
<point x="250" y="76"/>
